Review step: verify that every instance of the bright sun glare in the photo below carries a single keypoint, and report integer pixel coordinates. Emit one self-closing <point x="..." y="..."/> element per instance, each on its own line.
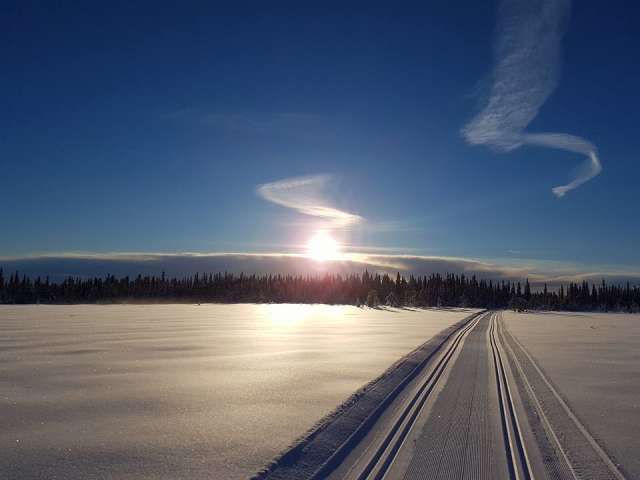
<point x="322" y="247"/>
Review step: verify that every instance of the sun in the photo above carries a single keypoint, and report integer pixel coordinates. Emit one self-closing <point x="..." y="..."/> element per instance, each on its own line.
<point x="323" y="247"/>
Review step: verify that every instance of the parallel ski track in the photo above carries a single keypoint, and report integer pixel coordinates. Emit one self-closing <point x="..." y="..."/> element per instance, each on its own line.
<point x="518" y="463"/>
<point x="582" y="457"/>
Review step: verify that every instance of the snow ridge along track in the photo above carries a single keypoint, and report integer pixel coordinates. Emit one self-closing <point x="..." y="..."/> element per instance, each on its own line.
<point x="384" y="454"/>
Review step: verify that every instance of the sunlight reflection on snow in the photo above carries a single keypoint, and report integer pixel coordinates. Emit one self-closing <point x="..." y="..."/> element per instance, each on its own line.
<point x="282" y="316"/>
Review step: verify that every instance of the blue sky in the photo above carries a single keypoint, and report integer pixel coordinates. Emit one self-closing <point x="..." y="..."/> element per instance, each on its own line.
<point x="150" y="128"/>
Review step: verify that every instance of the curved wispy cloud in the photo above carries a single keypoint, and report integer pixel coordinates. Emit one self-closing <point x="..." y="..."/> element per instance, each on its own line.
<point x="306" y="195"/>
<point x="525" y="75"/>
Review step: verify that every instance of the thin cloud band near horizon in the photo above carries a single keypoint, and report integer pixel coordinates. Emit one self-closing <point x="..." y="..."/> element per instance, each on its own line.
<point x="62" y="265"/>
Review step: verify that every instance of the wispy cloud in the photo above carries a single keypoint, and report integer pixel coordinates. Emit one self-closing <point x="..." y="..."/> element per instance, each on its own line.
<point x="525" y="74"/>
<point x="306" y="195"/>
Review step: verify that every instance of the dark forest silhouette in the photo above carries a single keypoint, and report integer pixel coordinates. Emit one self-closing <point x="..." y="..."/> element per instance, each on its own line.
<point x="373" y="290"/>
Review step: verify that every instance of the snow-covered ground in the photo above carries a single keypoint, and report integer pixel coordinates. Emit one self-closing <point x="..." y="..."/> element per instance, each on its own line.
<point x="594" y="362"/>
<point x="183" y="391"/>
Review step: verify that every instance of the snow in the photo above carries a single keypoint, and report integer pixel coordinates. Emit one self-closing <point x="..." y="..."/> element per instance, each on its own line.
<point x="183" y="391"/>
<point x="593" y="360"/>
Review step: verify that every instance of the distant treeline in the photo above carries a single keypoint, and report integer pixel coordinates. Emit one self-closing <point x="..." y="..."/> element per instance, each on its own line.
<point x="449" y="290"/>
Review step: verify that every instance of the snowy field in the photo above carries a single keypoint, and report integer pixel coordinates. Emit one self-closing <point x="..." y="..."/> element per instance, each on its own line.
<point x="594" y="361"/>
<point x="182" y="391"/>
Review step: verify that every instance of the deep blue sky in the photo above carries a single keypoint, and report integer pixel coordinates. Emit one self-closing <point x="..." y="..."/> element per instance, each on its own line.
<point x="148" y="128"/>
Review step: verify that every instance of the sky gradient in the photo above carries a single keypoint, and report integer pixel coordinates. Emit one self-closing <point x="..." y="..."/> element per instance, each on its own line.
<point x="152" y="128"/>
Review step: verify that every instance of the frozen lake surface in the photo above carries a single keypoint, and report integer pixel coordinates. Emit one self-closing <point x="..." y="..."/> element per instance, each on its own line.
<point x="183" y="391"/>
<point x="594" y="362"/>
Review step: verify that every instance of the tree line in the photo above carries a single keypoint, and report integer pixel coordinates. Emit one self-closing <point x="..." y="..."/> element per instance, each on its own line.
<point x="436" y="290"/>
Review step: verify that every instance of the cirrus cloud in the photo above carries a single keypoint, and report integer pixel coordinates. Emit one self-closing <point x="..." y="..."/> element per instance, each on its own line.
<point x="525" y="75"/>
<point x="306" y="196"/>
